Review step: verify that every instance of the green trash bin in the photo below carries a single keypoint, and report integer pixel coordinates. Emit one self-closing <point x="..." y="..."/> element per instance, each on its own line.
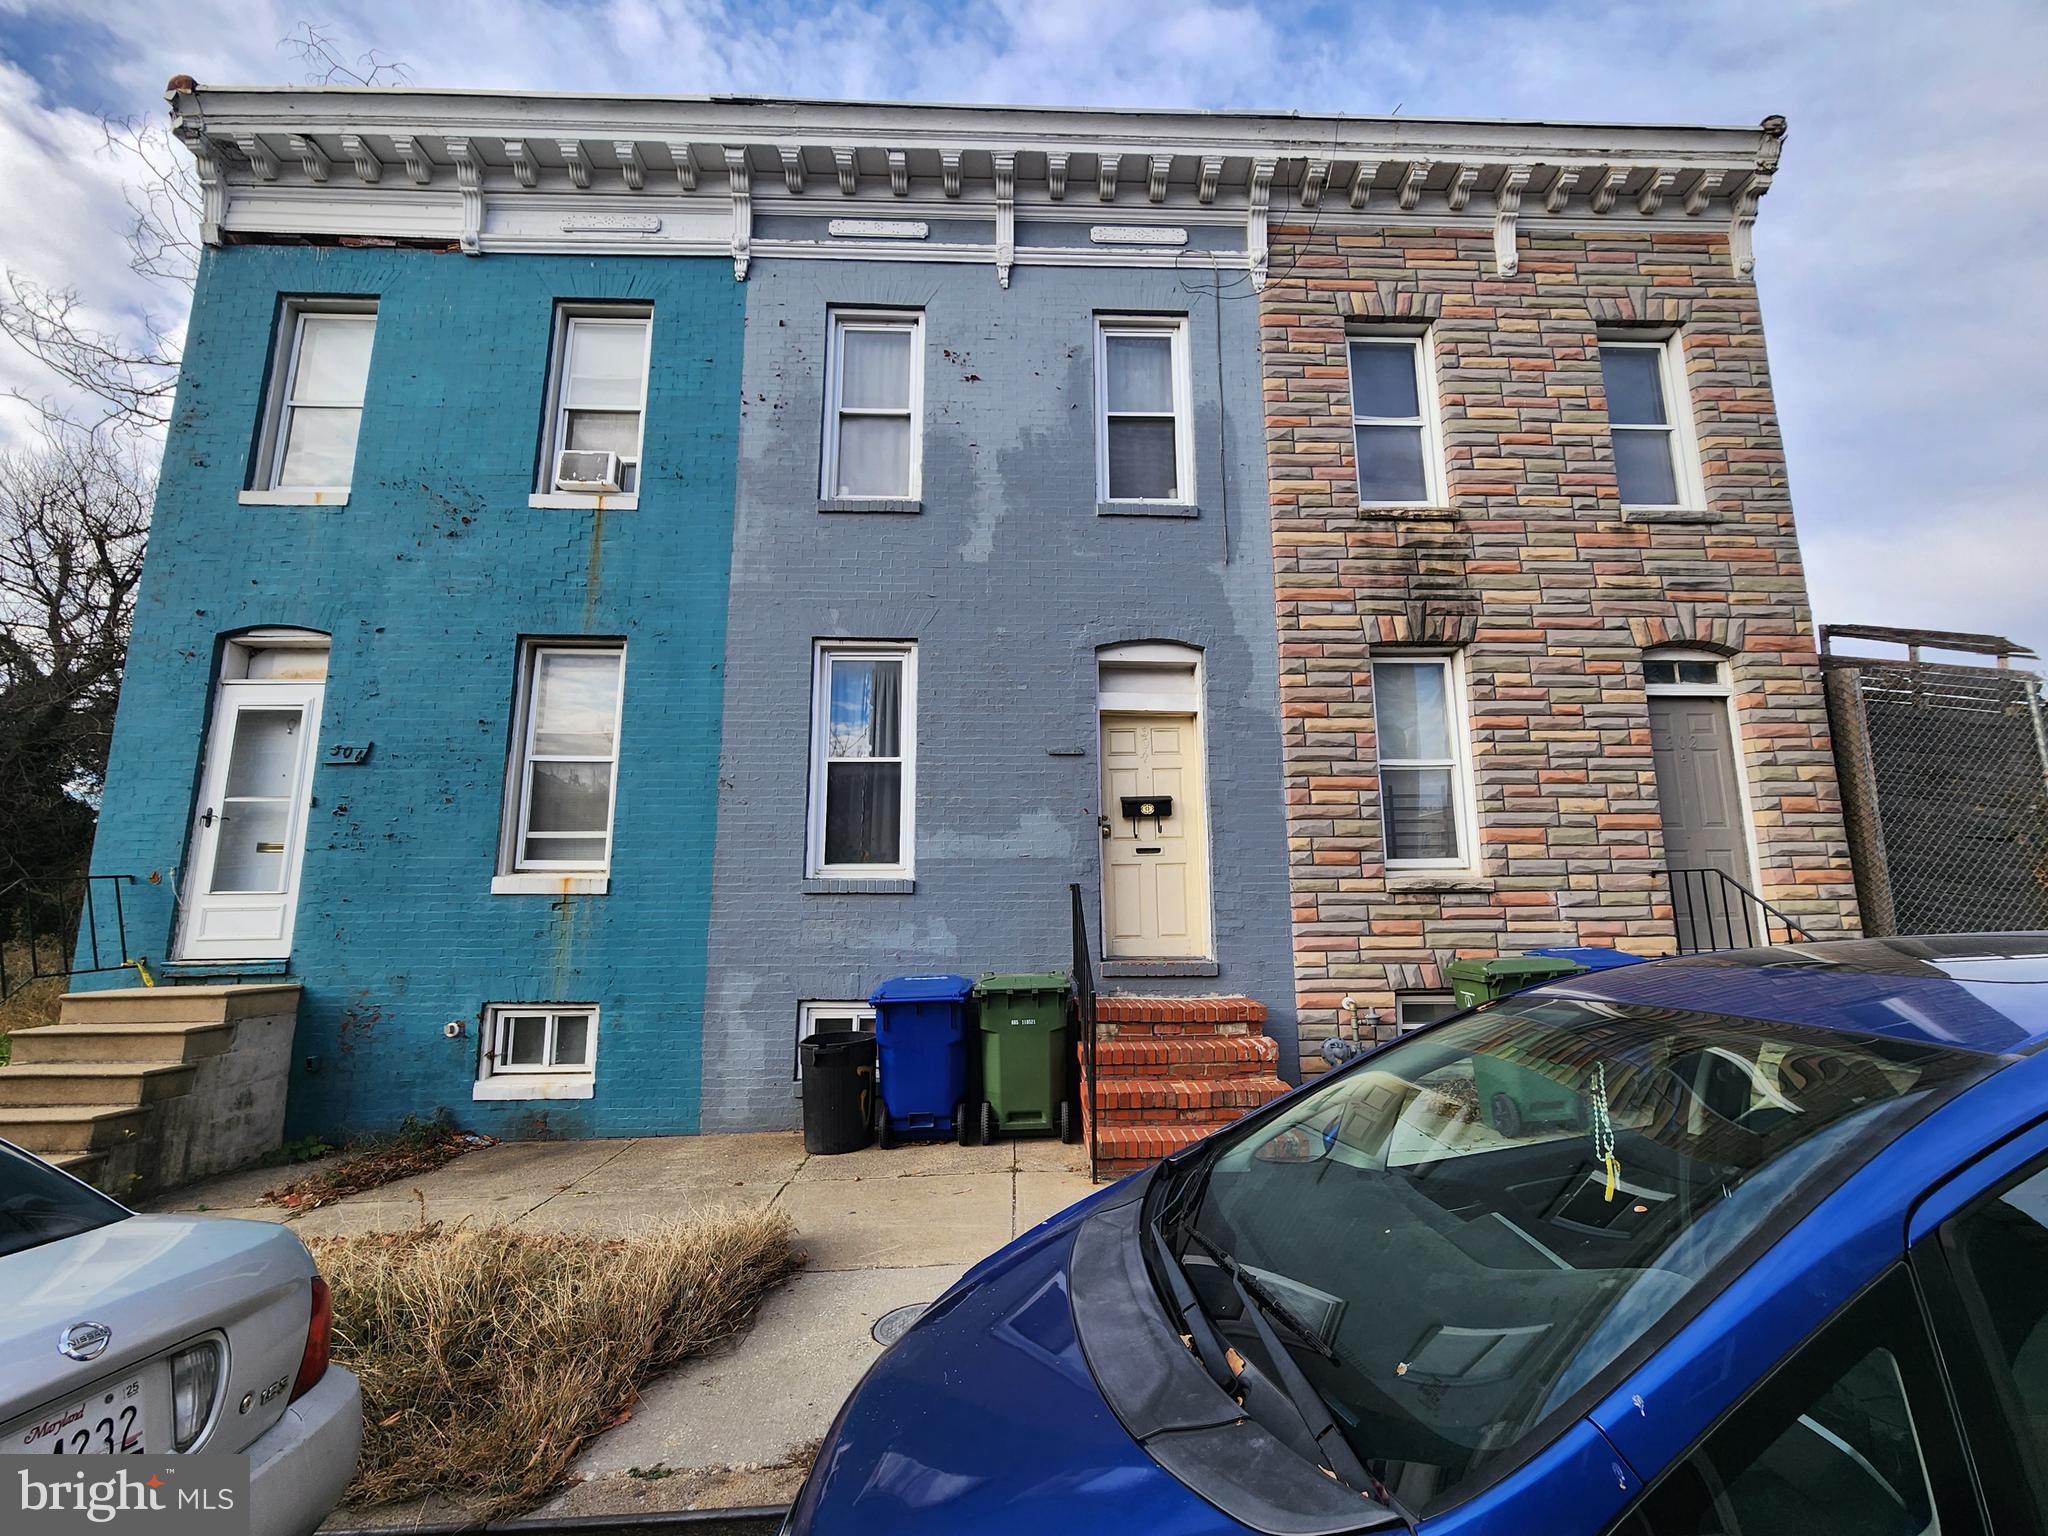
<point x="1513" y="1098"/>
<point x="1023" y="1030"/>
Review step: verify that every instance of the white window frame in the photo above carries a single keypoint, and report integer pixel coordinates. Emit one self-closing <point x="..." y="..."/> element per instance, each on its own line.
<point x="546" y="1081"/>
<point x="1175" y="329"/>
<point x="1429" y="421"/>
<point x="844" y="320"/>
<point x="1688" y="478"/>
<point x="278" y="406"/>
<point x="1433" y="999"/>
<point x="1459" y="762"/>
<point x="808" y="1012"/>
<point x="824" y="652"/>
<point x="518" y="875"/>
<point x="555" y="426"/>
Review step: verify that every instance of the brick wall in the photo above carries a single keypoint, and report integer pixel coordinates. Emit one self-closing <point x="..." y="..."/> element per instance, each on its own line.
<point x="426" y="580"/>
<point x="1551" y="592"/>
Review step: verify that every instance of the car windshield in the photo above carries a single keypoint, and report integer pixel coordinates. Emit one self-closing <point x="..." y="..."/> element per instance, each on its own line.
<point x="1476" y="1222"/>
<point x="39" y="1205"/>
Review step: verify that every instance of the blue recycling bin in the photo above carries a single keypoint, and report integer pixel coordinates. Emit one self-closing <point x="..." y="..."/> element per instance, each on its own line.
<point x="921" y="1040"/>
<point x="1591" y="957"/>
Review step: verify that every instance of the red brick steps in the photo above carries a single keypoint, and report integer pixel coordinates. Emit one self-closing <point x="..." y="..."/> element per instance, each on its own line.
<point x="1174" y="1069"/>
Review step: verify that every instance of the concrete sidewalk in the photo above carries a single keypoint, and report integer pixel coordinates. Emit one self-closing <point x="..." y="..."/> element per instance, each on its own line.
<point x="879" y="1230"/>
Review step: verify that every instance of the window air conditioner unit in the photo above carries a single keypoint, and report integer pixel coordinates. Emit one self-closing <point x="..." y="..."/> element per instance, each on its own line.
<point x="586" y="469"/>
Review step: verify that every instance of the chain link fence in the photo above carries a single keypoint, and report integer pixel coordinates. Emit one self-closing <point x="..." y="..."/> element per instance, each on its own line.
<point x="1944" y="772"/>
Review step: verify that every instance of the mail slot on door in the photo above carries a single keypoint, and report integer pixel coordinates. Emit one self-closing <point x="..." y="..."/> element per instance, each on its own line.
<point x="1147" y="807"/>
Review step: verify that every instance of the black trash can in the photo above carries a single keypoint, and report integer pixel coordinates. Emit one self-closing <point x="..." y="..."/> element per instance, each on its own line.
<point x="839" y="1092"/>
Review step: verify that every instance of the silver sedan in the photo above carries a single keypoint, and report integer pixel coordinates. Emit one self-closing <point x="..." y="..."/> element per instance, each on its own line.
<point x="122" y="1333"/>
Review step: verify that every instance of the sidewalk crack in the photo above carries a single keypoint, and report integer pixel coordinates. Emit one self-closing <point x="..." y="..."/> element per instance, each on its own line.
<point x="566" y="1188"/>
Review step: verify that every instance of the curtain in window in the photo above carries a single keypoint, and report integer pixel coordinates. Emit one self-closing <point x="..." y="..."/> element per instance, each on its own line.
<point x="864" y="769"/>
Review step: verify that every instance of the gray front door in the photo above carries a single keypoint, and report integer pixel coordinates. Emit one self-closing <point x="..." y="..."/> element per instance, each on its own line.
<point x="1701" y="801"/>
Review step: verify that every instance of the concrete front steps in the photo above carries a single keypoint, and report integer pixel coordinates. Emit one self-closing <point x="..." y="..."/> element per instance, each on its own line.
<point x="138" y="1088"/>
<point x="1173" y="1069"/>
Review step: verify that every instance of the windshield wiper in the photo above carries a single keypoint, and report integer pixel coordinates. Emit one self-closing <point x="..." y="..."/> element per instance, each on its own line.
<point x="1260" y="1298"/>
<point x="1224" y="1364"/>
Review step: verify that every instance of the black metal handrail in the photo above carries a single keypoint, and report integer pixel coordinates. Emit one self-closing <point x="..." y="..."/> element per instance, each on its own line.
<point x="1710" y="903"/>
<point x="53" y="951"/>
<point x="1084" y="1020"/>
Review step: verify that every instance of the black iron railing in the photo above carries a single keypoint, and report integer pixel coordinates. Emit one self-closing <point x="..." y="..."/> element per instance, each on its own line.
<point x="92" y="937"/>
<point x="1084" y="1021"/>
<point x="1714" y="910"/>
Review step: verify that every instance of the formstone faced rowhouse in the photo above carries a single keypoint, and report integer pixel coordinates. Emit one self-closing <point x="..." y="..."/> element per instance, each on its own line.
<point x="1592" y="659"/>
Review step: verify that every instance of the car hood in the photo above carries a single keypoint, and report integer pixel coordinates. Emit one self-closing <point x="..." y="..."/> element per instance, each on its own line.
<point x="153" y="1280"/>
<point x="986" y="1415"/>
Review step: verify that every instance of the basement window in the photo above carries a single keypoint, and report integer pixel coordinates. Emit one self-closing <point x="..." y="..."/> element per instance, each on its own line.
<point x="538" y="1051"/>
<point x="830" y="1019"/>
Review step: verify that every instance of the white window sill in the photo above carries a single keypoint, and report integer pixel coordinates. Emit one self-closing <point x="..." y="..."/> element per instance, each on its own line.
<point x="539" y="884"/>
<point x="537" y="1085"/>
<point x="295" y="496"/>
<point x="624" y="501"/>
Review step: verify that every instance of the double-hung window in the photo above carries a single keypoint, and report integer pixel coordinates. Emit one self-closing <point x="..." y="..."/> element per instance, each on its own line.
<point x="863" y="760"/>
<point x="597" y="400"/>
<point x="1654" y="457"/>
<point x="875" y="391"/>
<point x="565" y="766"/>
<point x="538" y="1050"/>
<point x="1145" y="441"/>
<point x="1393" y="422"/>
<point x="1425" y="794"/>
<point x="316" y="405"/>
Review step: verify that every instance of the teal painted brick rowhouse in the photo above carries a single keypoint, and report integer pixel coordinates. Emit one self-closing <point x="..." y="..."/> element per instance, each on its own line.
<point x="427" y="580"/>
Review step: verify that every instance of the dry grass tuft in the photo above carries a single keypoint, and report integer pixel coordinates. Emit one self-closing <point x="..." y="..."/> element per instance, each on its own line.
<point x="417" y="1147"/>
<point x="488" y="1356"/>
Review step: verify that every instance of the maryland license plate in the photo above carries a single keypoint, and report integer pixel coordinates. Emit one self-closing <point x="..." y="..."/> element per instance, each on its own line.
<point x="120" y="1418"/>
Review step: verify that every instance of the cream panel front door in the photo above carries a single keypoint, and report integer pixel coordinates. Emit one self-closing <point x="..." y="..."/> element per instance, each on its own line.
<point x="1155" y="895"/>
<point x="243" y="890"/>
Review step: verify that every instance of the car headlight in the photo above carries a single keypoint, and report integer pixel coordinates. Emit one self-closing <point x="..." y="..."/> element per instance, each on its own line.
<point x="195" y="1380"/>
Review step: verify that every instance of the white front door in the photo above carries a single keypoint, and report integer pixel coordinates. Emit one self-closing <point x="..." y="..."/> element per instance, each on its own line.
<point x="249" y="837"/>
<point x="1155" y="869"/>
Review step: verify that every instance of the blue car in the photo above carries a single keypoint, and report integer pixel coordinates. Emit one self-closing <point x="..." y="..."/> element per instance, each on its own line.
<point x="1746" y="1243"/>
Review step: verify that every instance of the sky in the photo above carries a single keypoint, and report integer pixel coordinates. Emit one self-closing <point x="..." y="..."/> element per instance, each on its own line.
<point x="1902" y="253"/>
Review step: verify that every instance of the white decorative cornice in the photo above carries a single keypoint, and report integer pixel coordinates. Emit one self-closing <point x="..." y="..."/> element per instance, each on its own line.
<point x="1362" y="177"/>
<point x="1198" y="171"/>
<point x="686" y="164"/>
<point x="577" y="162"/>
<point x="311" y="157"/>
<point x="369" y="169"/>
<point x="1411" y="184"/>
<point x="1507" y="209"/>
<point x="1655" y="190"/>
<point x="469" y="179"/>
<point x="524" y="170"/>
<point x="740" y="182"/>
<point x="1742" y="223"/>
<point x="1259" y="194"/>
<point x="258" y="154"/>
<point x="1608" y="188"/>
<point x="1561" y="187"/>
<point x="1459" y="192"/>
<point x="419" y="170"/>
<point x="1313" y="180"/>
<point x="1004" y="170"/>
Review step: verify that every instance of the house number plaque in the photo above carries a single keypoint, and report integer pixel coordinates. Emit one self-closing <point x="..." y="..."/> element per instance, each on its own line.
<point x="341" y="755"/>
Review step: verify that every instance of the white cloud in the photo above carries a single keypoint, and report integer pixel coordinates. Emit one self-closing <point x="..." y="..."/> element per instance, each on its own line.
<point x="1900" y="253"/>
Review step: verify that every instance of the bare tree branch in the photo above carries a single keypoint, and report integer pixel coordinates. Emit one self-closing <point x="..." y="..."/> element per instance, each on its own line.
<point x="317" y="49"/>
